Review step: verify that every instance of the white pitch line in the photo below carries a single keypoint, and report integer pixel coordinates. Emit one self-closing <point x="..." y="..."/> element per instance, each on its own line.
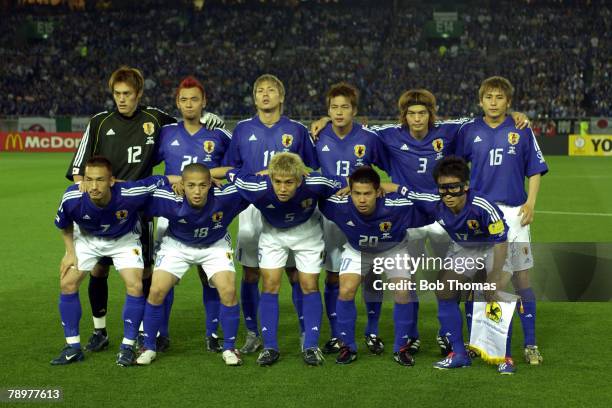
<point x="575" y="213"/>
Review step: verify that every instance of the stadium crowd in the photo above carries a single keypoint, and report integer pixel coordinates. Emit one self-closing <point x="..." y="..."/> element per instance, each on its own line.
<point x="556" y="53"/>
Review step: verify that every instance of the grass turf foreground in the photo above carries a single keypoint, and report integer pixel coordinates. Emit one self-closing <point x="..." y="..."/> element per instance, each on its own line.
<point x="573" y="337"/>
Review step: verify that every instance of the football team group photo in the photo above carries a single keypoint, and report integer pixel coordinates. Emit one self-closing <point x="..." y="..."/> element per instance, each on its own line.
<point x="306" y="202"/>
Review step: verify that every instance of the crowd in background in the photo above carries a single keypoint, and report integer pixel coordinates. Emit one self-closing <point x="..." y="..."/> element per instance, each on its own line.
<point x="559" y="58"/>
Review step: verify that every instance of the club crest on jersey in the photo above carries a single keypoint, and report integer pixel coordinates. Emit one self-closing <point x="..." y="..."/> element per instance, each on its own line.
<point x="438" y="145"/>
<point x="359" y="150"/>
<point x="385" y="226"/>
<point x="493" y="312"/>
<point x="287" y="140"/>
<point x="513" y="138"/>
<point x="473" y="224"/>
<point x="149" y="128"/>
<point x="229" y="255"/>
<point x="307" y="203"/>
<point x="218" y="216"/>
<point x="136" y="251"/>
<point x="209" y="146"/>
<point x="121" y="214"/>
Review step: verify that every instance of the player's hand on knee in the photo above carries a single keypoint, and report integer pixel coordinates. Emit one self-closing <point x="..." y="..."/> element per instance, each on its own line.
<point x="318" y="125"/>
<point x="68" y="262"/>
<point x="211" y="121"/>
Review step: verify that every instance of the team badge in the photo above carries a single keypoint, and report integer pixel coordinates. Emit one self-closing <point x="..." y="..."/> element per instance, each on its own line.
<point x="493" y="312"/>
<point x="229" y="255"/>
<point x="209" y="146"/>
<point x="121" y="214"/>
<point x="473" y="224"/>
<point x="136" y="251"/>
<point x="307" y="203"/>
<point x="360" y="150"/>
<point x="513" y="138"/>
<point x="148" y="128"/>
<point x="218" y="216"/>
<point x="385" y="226"/>
<point x="438" y="145"/>
<point x="287" y="140"/>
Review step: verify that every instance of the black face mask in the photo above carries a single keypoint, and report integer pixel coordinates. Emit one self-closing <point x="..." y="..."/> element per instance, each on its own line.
<point x="444" y="189"/>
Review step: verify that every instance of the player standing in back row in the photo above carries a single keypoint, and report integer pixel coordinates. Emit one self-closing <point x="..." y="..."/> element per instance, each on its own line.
<point x="343" y="146"/>
<point x="254" y="143"/>
<point x="502" y="156"/>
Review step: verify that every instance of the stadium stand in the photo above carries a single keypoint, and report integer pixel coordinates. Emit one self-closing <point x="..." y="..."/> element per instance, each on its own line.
<point x="558" y="54"/>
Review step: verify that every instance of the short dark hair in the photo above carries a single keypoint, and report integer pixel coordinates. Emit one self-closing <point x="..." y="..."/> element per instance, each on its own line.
<point x="365" y="175"/>
<point x="343" y="89"/>
<point x="452" y="166"/>
<point x="196" y="168"/>
<point x="100" y="161"/>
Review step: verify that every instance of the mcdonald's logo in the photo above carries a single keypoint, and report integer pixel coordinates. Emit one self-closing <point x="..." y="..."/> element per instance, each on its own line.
<point x="15" y="142"/>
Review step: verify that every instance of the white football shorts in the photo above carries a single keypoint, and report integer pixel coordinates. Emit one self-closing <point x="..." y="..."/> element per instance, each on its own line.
<point x="304" y="241"/>
<point x="125" y="251"/>
<point x="334" y="240"/>
<point x="359" y="263"/>
<point x="519" y="239"/>
<point x="438" y="239"/>
<point x="176" y="257"/>
<point x="466" y="260"/>
<point x="250" y="225"/>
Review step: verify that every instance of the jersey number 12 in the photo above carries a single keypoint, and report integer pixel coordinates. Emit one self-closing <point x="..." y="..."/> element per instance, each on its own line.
<point x="134" y="153"/>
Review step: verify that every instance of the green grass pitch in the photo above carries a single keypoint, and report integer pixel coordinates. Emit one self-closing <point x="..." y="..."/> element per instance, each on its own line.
<point x="574" y="337"/>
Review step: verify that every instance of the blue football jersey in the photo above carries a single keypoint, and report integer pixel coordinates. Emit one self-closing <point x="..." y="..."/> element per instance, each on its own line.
<point x="254" y="144"/>
<point x="410" y="161"/>
<point x="177" y="148"/>
<point x="382" y="230"/>
<point x="117" y="218"/>
<point x="480" y="221"/>
<point x="340" y="157"/>
<point x="259" y="191"/>
<point x="193" y="226"/>
<point x="501" y="158"/>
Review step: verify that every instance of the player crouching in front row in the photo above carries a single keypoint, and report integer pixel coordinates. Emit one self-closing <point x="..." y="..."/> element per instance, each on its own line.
<point x="107" y="219"/>
<point x="287" y="200"/>
<point x="478" y="230"/>
<point x="375" y="228"/>
<point x="196" y="235"/>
